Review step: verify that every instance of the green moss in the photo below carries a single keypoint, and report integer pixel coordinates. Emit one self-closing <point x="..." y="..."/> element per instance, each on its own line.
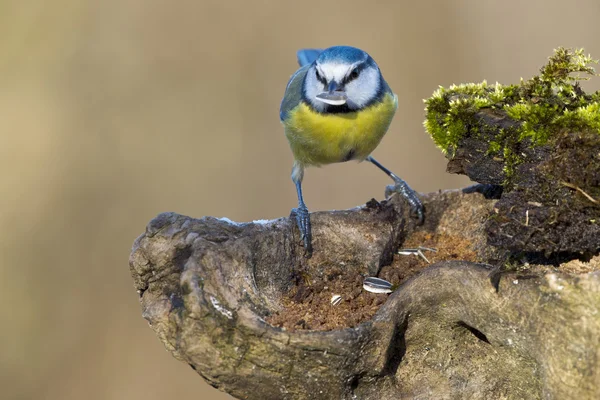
<point x="511" y="160"/>
<point x="581" y="117"/>
<point x="541" y="106"/>
<point x="450" y="111"/>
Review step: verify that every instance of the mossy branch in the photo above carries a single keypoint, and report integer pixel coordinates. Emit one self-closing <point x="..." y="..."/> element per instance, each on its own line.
<point x="528" y="138"/>
<point x="540" y="107"/>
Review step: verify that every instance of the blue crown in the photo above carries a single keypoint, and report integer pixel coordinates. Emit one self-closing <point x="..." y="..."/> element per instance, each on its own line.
<point x="345" y="54"/>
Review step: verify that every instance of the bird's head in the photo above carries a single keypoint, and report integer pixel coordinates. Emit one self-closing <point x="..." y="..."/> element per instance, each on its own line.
<point x="342" y="79"/>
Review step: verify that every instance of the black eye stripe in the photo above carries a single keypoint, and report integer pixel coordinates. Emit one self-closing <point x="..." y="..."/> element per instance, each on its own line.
<point x="352" y="75"/>
<point x="319" y="77"/>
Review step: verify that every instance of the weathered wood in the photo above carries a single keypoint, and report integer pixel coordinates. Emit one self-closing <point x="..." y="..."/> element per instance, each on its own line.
<point x="457" y="330"/>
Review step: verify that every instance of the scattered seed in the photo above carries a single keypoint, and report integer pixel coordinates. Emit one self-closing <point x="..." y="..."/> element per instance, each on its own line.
<point x="417" y="252"/>
<point x="336" y="299"/>
<point x="377" y="285"/>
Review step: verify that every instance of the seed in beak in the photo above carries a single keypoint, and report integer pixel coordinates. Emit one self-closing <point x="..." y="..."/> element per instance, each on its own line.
<point x="333" y="98"/>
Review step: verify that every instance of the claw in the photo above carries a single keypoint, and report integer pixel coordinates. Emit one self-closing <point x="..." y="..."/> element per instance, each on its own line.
<point x="303" y="222"/>
<point x="410" y="195"/>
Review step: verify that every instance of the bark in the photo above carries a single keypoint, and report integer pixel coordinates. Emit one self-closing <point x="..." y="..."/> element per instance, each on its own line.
<point x="456" y="330"/>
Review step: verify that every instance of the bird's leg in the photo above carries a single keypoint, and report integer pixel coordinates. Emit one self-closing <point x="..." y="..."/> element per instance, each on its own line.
<point x="302" y="215"/>
<point x="401" y="187"/>
<point x="303" y="221"/>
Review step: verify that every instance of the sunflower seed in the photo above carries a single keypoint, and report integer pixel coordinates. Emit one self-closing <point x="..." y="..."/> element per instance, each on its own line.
<point x="417" y="252"/>
<point x="377" y="285"/>
<point x="336" y="299"/>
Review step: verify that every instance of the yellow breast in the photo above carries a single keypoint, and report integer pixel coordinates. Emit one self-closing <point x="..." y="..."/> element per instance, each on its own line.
<point x="318" y="139"/>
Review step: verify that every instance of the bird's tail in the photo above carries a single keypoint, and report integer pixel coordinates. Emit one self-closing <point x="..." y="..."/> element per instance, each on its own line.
<point x="307" y="56"/>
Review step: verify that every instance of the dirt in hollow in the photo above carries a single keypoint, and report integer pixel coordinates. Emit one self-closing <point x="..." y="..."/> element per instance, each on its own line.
<point x="307" y="306"/>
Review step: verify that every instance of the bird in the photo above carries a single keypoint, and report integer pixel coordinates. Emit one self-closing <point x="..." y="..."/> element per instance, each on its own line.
<point x="336" y="108"/>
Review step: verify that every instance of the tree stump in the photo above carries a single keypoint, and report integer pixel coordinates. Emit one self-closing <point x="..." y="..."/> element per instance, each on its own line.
<point x="509" y="308"/>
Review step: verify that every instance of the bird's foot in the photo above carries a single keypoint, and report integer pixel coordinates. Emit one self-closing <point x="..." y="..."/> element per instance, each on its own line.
<point x="410" y="195"/>
<point x="303" y="221"/>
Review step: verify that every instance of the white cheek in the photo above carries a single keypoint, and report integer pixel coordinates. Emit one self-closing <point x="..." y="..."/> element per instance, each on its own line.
<point x="312" y="87"/>
<point x="364" y="88"/>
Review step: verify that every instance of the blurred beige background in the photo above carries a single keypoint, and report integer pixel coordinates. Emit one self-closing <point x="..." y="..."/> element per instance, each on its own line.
<point x="114" y="111"/>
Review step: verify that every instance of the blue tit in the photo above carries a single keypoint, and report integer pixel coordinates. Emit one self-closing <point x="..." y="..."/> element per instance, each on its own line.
<point x="337" y="107"/>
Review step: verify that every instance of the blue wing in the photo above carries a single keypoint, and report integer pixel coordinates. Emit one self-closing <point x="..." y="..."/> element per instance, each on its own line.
<point x="307" y="56"/>
<point x="293" y="92"/>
